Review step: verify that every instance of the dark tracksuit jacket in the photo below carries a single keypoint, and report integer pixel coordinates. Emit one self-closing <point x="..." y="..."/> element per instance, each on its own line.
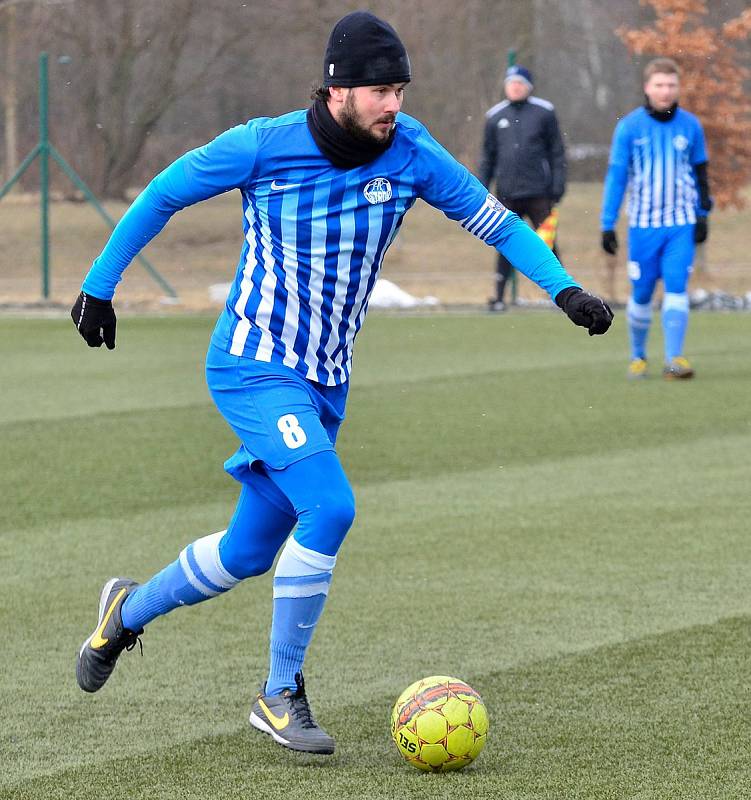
<point x="523" y="151"/>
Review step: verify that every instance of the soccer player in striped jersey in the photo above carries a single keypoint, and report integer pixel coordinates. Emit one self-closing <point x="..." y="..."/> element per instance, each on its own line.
<point x="658" y="151"/>
<point x="324" y="191"/>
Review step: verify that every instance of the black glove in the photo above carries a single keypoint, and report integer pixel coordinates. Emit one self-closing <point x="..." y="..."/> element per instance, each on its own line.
<point x="701" y="230"/>
<point x="95" y="320"/>
<point x="584" y="309"/>
<point x="610" y="242"/>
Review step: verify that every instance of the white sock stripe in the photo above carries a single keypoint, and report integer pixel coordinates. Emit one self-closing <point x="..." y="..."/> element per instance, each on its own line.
<point x="193" y="579"/>
<point x="302" y="590"/>
<point x="297" y="560"/>
<point x="674" y="301"/>
<point x="206" y="553"/>
<point x="640" y="311"/>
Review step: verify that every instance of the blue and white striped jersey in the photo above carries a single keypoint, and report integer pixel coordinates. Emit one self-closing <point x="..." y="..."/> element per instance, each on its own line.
<point x="656" y="160"/>
<point x="315" y="235"/>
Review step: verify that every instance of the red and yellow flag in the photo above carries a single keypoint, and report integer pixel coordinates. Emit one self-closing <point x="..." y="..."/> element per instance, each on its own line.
<point x="548" y="228"/>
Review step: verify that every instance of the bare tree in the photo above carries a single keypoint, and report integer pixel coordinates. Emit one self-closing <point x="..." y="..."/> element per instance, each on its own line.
<point x="10" y="92"/>
<point x="131" y="61"/>
<point x="10" y="73"/>
<point x="142" y="81"/>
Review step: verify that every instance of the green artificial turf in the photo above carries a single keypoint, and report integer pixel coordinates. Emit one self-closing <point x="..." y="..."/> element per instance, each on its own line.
<point x="574" y="546"/>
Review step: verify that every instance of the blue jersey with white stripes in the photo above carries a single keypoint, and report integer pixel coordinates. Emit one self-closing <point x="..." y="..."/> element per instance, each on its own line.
<point x="656" y="160"/>
<point x="315" y="235"/>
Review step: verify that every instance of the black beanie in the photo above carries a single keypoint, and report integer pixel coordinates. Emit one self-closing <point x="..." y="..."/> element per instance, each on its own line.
<point x="364" y="51"/>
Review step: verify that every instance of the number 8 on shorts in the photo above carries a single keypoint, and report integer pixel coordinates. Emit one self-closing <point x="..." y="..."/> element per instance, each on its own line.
<point x="293" y="435"/>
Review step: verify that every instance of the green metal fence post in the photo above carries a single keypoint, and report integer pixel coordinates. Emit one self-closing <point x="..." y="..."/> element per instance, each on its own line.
<point x="91" y="198"/>
<point x="46" y="150"/>
<point x="44" y="175"/>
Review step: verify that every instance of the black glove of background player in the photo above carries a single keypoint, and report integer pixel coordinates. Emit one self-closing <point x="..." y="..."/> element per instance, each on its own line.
<point x="609" y="242"/>
<point x="95" y="320"/>
<point x="701" y="230"/>
<point x="584" y="309"/>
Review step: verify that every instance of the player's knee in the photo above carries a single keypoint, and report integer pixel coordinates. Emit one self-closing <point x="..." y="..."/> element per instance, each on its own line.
<point x="245" y="561"/>
<point x="675" y="284"/>
<point x="642" y="294"/>
<point x="248" y="565"/>
<point x="323" y="527"/>
<point x="344" y="511"/>
<point x="337" y="513"/>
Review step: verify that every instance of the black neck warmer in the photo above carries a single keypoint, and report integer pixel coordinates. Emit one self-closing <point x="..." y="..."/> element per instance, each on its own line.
<point x="661" y="116"/>
<point x="341" y="148"/>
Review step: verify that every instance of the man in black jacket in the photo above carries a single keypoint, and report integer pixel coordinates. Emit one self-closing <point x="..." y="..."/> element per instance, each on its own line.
<point x="523" y="152"/>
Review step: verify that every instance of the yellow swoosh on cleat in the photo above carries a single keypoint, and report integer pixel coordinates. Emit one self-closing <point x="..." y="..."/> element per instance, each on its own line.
<point x="97" y="640"/>
<point x="278" y="722"/>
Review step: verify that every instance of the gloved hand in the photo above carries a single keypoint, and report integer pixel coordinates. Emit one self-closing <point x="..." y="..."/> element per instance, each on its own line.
<point x="610" y="242"/>
<point x="701" y="230"/>
<point x="95" y="320"/>
<point x="584" y="309"/>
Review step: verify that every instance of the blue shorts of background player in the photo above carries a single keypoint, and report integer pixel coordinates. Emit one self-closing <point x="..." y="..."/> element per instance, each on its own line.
<point x="665" y="253"/>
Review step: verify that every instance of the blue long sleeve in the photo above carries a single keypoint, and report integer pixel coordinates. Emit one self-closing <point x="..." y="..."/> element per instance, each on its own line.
<point x="217" y="167"/>
<point x="148" y="214"/>
<point x="530" y="255"/>
<point x="612" y="196"/>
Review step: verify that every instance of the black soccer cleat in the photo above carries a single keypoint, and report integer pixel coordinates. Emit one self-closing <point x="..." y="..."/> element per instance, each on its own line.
<point x="98" y="654"/>
<point x="287" y="718"/>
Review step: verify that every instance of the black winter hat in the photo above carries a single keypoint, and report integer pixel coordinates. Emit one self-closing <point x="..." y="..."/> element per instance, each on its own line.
<point x="364" y="51"/>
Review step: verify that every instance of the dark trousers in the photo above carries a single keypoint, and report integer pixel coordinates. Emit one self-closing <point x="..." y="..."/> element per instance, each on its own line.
<point x="536" y="209"/>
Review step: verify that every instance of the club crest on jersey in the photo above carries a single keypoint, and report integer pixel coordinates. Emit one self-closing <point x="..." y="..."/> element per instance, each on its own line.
<point x="680" y="142"/>
<point x="494" y="204"/>
<point x="377" y="191"/>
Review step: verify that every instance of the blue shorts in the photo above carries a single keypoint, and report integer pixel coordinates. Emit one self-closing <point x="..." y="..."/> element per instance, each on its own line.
<point x="654" y="253"/>
<point x="279" y="416"/>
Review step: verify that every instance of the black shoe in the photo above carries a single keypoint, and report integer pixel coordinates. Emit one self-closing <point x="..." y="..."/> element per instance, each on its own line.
<point x="98" y="654"/>
<point x="288" y="719"/>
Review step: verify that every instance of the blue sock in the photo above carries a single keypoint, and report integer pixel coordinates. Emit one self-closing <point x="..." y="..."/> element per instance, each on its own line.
<point x="301" y="585"/>
<point x="197" y="575"/>
<point x="674" y="323"/>
<point x="639" y="317"/>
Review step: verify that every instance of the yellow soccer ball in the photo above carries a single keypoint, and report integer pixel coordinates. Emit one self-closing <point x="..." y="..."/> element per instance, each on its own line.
<point x="439" y="724"/>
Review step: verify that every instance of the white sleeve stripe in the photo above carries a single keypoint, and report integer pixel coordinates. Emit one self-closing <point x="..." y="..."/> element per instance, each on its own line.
<point x="491" y="225"/>
<point x="487" y="224"/>
<point x="468" y="222"/>
<point x="480" y="223"/>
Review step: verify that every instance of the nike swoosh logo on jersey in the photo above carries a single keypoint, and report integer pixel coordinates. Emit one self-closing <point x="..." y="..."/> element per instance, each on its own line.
<point x="300" y="625"/>
<point x="280" y="723"/>
<point x="278" y="187"/>
<point x="97" y="640"/>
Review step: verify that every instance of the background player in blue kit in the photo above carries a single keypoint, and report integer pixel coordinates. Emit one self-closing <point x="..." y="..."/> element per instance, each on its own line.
<point x="324" y="191"/>
<point x="658" y="151"/>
